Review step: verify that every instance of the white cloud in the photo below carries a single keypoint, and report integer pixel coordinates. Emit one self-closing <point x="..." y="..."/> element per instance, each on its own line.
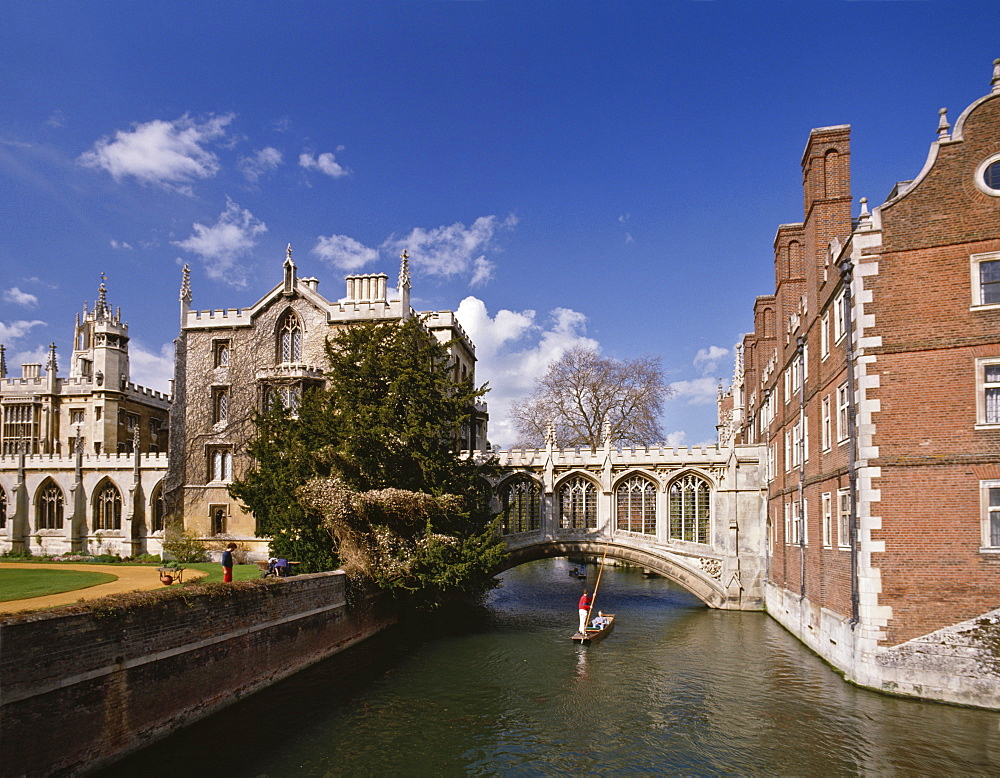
<point x="453" y="249"/>
<point x="150" y="369"/>
<point x="676" y="438"/>
<point x="707" y="360"/>
<point x="169" y="154"/>
<point x="343" y="252"/>
<point x="16" y="296"/>
<point x="259" y="163"/>
<point x="121" y="245"/>
<point x="325" y="163"/>
<point x="482" y="271"/>
<point x="698" y="391"/>
<point x="512" y="350"/>
<point x="17" y="329"/>
<point x="221" y="245"/>
<point x="40" y="356"/>
<point x="56" y="120"/>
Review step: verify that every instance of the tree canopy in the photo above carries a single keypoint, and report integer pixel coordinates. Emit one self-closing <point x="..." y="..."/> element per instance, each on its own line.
<point x="390" y="418"/>
<point x="582" y="391"/>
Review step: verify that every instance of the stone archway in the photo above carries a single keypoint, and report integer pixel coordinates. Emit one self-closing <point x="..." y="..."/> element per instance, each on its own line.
<point x="700" y="584"/>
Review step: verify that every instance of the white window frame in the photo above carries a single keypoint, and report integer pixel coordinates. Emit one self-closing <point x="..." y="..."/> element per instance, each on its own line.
<point x="769" y="467"/>
<point x="824" y="335"/>
<point x="825" y="427"/>
<point x="975" y="260"/>
<point x="843" y="417"/>
<point x="988" y="514"/>
<point x="788" y="450"/>
<point x="826" y="505"/>
<point x="839" y="318"/>
<point x="981" y="388"/>
<point x="788" y="524"/>
<point x="844" y="518"/>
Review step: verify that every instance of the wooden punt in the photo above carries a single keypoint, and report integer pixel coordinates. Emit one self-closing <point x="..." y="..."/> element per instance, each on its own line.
<point x="593" y="635"/>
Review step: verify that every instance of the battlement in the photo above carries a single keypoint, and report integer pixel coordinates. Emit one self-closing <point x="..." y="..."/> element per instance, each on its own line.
<point x="145" y="392"/>
<point x="434" y="320"/>
<point x="218" y="317"/>
<point x="653" y="456"/>
<point x="90" y="461"/>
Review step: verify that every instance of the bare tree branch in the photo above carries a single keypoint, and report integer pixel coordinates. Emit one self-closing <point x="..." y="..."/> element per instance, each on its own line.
<point x="582" y="391"/>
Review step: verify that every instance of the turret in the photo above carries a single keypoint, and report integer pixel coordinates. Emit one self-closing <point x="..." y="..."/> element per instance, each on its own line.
<point x="100" y="344"/>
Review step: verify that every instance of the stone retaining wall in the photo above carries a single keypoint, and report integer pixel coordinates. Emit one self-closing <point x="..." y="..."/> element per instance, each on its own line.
<point x="78" y="691"/>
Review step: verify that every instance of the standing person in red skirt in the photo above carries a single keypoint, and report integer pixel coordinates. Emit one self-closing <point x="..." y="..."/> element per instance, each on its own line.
<point x="227" y="563"/>
<point x="585" y="602"/>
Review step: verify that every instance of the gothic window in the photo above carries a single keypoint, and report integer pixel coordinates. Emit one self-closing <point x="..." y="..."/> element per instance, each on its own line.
<point x="290" y="397"/>
<point x="636" y="503"/>
<point x="289" y="338"/>
<point x="3" y="508"/>
<point x="159" y="510"/>
<point x="220" y="404"/>
<point x="108" y="508"/>
<point x="521" y="499"/>
<point x="220" y="464"/>
<point x="689" y="509"/>
<point x="220" y="353"/>
<point x="50" y="507"/>
<point x="578" y="504"/>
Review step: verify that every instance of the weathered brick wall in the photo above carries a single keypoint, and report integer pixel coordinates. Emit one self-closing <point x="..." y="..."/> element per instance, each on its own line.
<point x="82" y="689"/>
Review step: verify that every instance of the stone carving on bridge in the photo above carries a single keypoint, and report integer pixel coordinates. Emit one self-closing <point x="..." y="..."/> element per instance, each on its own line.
<point x="712" y="567"/>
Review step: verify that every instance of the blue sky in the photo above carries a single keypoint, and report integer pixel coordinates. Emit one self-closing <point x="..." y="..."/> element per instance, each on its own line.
<point x="604" y="172"/>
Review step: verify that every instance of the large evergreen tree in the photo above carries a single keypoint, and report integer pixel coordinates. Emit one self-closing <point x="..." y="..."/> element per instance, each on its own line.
<point x="391" y="418"/>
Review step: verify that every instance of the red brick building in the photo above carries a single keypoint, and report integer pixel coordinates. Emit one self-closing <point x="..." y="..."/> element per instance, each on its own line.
<point x="872" y="381"/>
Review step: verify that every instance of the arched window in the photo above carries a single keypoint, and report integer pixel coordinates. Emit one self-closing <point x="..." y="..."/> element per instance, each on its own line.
<point x="689" y="509"/>
<point x="636" y="502"/>
<point x="108" y="508"/>
<point x="521" y="499"/>
<point x="289" y="338"/>
<point x="3" y="508"/>
<point x="159" y="509"/>
<point x="578" y="504"/>
<point x="50" y="507"/>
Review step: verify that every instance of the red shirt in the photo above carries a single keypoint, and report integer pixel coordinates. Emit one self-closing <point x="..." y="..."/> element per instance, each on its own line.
<point x="585" y="601"/>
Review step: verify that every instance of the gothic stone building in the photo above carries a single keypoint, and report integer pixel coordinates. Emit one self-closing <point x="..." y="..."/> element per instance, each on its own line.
<point x="230" y="363"/>
<point x="82" y="458"/>
<point x="872" y="382"/>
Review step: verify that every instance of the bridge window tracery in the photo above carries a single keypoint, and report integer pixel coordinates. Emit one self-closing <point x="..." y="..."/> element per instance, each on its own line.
<point x="689" y="509"/>
<point x="636" y="503"/>
<point x="521" y="499"/>
<point x="578" y="504"/>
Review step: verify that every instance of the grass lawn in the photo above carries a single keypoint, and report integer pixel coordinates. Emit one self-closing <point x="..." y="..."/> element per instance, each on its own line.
<point x="20" y="584"/>
<point x="214" y="570"/>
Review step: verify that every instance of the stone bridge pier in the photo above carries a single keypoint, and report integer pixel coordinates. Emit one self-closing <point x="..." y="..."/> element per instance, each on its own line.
<point x="693" y="515"/>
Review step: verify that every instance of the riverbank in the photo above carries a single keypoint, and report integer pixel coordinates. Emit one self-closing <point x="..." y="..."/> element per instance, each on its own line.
<point x="128" y="578"/>
<point x="116" y="676"/>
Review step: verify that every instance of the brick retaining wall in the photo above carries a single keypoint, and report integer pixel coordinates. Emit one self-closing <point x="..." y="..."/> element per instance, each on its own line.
<point x="78" y="691"/>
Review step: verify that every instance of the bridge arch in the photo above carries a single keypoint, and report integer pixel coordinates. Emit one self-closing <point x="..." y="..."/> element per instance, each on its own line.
<point x="697" y="582"/>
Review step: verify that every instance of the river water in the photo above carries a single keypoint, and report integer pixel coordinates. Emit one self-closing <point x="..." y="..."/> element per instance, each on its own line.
<point x="676" y="688"/>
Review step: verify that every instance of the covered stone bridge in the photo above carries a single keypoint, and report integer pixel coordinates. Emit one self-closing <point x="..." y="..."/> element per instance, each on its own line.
<point x="693" y="515"/>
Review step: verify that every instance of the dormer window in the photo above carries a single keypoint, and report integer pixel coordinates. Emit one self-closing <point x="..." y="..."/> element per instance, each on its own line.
<point x="289" y="338"/>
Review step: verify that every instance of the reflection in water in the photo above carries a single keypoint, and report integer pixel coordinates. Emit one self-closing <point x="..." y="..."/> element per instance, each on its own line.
<point x="675" y="688"/>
